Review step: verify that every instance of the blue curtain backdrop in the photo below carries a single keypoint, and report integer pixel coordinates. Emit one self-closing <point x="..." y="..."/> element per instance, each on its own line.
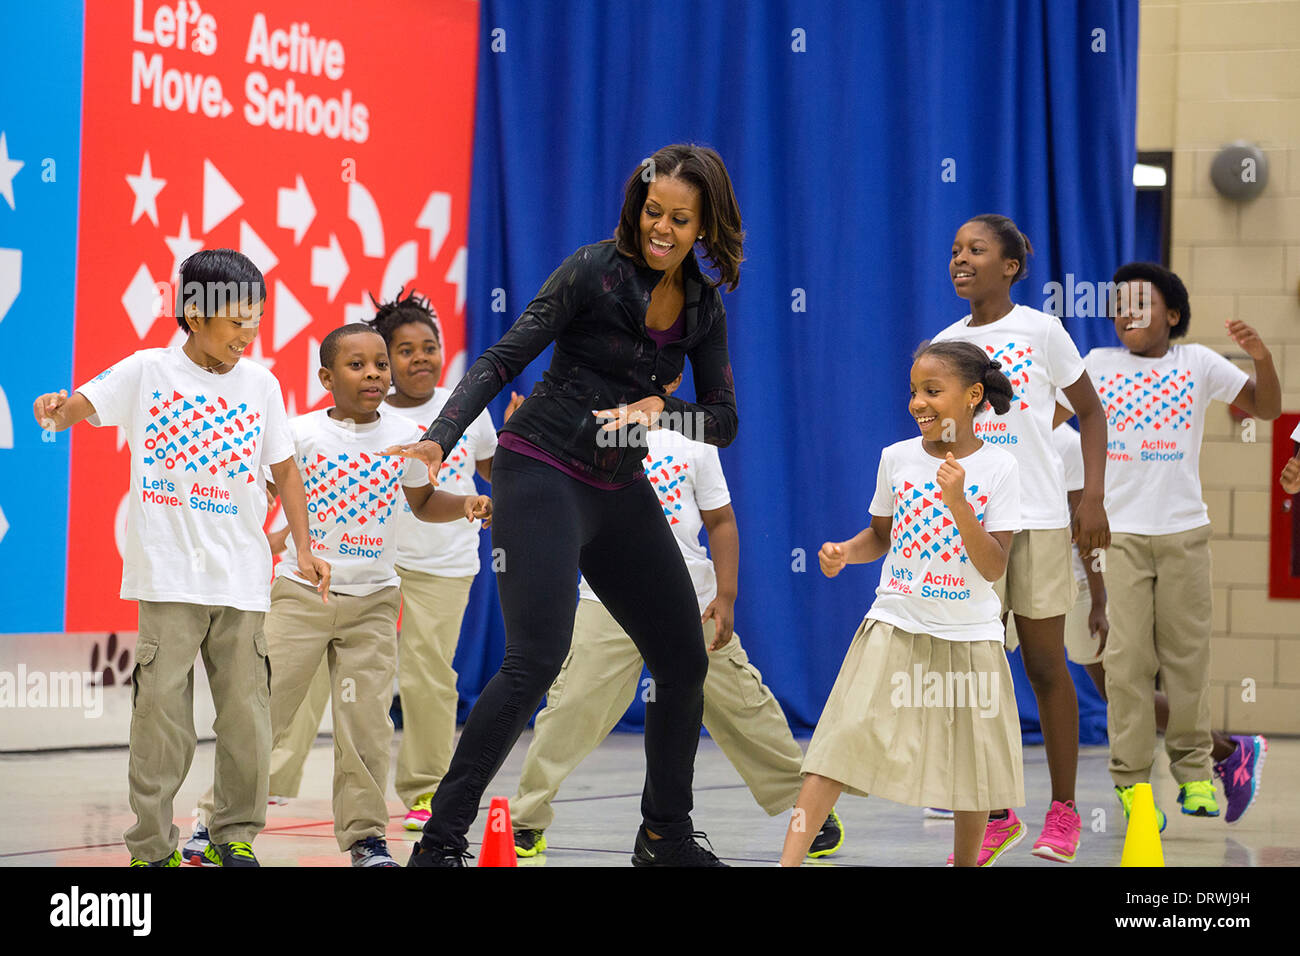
<point x="838" y="123"/>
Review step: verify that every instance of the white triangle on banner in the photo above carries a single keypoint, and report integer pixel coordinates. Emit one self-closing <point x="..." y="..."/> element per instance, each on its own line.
<point x="315" y="390"/>
<point x="11" y="278"/>
<point x="251" y="245"/>
<point x="290" y="317"/>
<point x="140" y="301"/>
<point x="219" y="197"/>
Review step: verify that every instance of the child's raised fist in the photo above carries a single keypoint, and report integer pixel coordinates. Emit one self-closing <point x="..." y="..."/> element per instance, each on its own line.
<point x="45" y="407"/>
<point x="1247" y="339"/>
<point x="1291" y="476"/>
<point x="952" y="480"/>
<point x="831" y="558"/>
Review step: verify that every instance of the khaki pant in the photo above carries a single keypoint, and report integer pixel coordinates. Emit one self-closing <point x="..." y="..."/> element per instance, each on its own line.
<point x="294" y="744"/>
<point x="432" y="610"/>
<point x="162" y="721"/>
<point x="1039" y="580"/>
<point x="597" y="683"/>
<point x="357" y="636"/>
<point x="1158" y="591"/>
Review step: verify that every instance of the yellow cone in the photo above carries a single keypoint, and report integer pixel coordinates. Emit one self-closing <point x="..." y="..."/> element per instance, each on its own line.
<point x="1142" y="841"/>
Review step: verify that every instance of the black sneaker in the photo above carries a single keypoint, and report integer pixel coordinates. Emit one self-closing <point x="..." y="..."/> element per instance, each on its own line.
<point x="829" y="839"/>
<point x="529" y="843"/>
<point x="422" y="855"/>
<point x="669" y="852"/>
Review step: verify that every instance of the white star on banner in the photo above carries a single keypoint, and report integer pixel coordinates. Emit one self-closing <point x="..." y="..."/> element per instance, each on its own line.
<point x="182" y="246"/>
<point x="146" y="188"/>
<point x="8" y="170"/>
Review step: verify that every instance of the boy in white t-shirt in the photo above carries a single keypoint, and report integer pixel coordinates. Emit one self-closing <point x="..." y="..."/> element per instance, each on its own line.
<point x="1156" y="395"/>
<point x="200" y="424"/>
<point x="352" y="499"/>
<point x="598" y="679"/>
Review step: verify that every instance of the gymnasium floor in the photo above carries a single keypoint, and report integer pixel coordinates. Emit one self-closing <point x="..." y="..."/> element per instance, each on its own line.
<point x="70" y="808"/>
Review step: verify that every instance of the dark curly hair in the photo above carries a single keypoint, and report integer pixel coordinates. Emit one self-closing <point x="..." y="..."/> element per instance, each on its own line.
<point x="411" y="307"/>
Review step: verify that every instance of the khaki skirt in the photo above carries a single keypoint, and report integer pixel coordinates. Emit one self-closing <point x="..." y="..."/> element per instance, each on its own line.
<point x="922" y="721"/>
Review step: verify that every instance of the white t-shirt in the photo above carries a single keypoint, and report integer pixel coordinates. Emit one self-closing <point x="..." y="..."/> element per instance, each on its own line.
<point x="928" y="585"/>
<point x="197" y="503"/>
<point x="1155" y="415"/>
<point x="447" y="549"/>
<point x="687" y="476"/>
<point x="1039" y="357"/>
<point x="1070" y="448"/>
<point x="352" y="494"/>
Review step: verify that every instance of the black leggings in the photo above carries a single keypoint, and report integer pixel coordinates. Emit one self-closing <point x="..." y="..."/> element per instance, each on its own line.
<point x="549" y="526"/>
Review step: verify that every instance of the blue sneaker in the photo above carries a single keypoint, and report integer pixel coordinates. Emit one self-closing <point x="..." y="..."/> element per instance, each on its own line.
<point x="1240" y="774"/>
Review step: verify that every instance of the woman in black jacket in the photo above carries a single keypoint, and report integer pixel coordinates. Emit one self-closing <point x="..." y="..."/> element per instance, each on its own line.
<point x="569" y="493"/>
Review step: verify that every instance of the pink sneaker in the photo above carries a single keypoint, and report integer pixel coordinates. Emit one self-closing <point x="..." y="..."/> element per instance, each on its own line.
<point x="1060" y="837"/>
<point x="999" y="836"/>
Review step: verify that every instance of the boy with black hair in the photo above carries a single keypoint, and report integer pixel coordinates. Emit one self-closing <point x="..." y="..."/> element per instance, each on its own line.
<point x="353" y="500"/>
<point x="200" y="425"/>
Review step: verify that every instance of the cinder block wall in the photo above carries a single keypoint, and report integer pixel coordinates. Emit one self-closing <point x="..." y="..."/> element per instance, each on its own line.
<point x="1210" y="73"/>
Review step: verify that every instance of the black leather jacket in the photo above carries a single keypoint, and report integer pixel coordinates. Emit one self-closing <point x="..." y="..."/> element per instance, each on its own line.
<point x="593" y="307"/>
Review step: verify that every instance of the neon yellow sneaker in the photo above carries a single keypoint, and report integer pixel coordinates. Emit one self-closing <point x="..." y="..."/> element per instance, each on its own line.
<point x="829" y="839"/>
<point x="529" y="843"/>
<point x="235" y="853"/>
<point x="418" y="815"/>
<point x="1197" y="798"/>
<point x="1125" y="795"/>
<point x="170" y="861"/>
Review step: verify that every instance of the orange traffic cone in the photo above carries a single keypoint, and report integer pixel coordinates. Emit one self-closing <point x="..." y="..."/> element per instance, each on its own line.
<point x="499" y="837"/>
<point x="1142" y="840"/>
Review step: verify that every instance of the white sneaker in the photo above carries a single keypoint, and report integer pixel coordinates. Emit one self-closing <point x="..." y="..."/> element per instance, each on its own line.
<point x="372" y="851"/>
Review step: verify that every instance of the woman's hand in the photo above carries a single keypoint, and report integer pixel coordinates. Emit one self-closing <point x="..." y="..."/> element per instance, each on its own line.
<point x="429" y="452"/>
<point x="515" y="401"/>
<point x="479" y="506"/>
<point x="645" y="412"/>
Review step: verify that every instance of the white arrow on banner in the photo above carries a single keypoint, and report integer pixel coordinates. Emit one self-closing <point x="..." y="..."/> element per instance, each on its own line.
<point x="6" y="422"/>
<point x="295" y="210"/>
<point x="365" y="213"/>
<point x="436" y="217"/>
<point x="401" y="269"/>
<point x="4" y="524"/>
<point x="315" y="390"/>
<point x="456" y="276"/>
<point x="251" y="245"/>
<point x="329" y="267"/>
<point x="219" y="197"/>
<point x="11" y="278"/>
<point x="290" y="317"/>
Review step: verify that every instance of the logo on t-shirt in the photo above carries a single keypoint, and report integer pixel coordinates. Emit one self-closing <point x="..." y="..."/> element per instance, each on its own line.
<point x="923" y="525"/>
<point x="1016" y="362"/>
<point x="1147" y="399"/>
<point x="347" y="488"/>
<point x="202" y="436"/>
<point x="667" y="475"/>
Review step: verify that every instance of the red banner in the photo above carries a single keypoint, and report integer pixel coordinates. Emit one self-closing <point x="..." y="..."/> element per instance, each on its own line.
<point x="328" y="141"/>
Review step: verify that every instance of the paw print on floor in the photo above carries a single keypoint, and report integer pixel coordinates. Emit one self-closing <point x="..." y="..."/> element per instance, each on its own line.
<point x="115" y="666"/>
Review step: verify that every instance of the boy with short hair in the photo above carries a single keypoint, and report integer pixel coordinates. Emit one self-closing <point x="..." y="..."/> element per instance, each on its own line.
<point x="200" y="425"/>
<point x="352" y="498"/>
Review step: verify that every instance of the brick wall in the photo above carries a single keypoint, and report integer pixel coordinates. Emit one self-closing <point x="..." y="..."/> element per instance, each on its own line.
<point x="1210" y="73"/>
